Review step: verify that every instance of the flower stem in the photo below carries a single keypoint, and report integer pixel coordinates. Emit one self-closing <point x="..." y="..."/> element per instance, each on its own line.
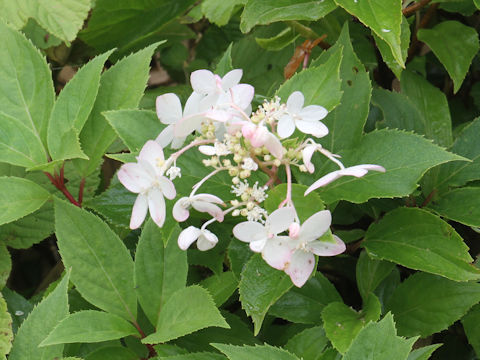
<point x="198" y="184"/>
<point x="288" y="198"/>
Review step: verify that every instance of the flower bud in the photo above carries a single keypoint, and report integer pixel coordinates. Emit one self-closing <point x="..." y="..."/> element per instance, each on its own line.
<point x="277" y="162"/>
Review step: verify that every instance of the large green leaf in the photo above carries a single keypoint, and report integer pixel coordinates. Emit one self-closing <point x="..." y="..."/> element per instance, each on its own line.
<point x="260" y="287"/>
<point x="221" y="287"/>
<point x="419" y="240"/>
<point x="219" y="11"/>
<point x="262" y="12"/>
<point x="121" y="87"/>
<point x="380" y="339"/>
<point x="43" y="318"/>
<point x="455" y="45"/>
<point x="370" y="273"/>
<point x="320" y="85"/>
<point x="254" y="352"/>
<point x="5" y="265"/>
<point x="384" y="17"/>
<point x="18" y="307"/>
<point x="425" y="304"/>
<point x="304" y="305"/>
<point x="112" y="353"/>
<point x="188" y="310"/>
<point x="25" y="101"/>
<point x="102" y="268"/>
<point x="160" y="267"/>
<point x="6" y="334"/>
<point x="462" y="205"/>
<point x="403" y="168"/>
<point x="471" y="325"/>
<point x="129" y="25"/>
<point x="19" y="197"/>
<point x="432" y="105"/>
<point x="71" y="110"/>
<point x="89" y="326"/>
<point x="308" y="344"/>
<point x="423" y="353"/>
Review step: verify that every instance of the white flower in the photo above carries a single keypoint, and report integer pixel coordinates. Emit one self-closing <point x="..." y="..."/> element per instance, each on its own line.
<point x="258" y="192"/>
<point x="249" y="164"/>
<point x="200" y="202"/>
<point x="205" y="238"/>
<point x="306" y="119"/>
<point x="357" y="171"/>
<point x="146" y="179"/>
<point x="260" y="136"/>
<point x="257" y="235"/>
<point x="218" y="149"/>
<point x="173" y="172"/>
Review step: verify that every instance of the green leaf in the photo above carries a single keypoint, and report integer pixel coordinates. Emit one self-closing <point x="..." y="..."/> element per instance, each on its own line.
<point x="305" y="305"/>
<point x="423" y="353"/>
<point x="102" y="268"/>
<point x="260" y="287"/>
<point x="71" y="111"/>
<point x="6" y="334"/>
<point x="5" y="265"/>
<point x="195" y="356"/>
<point x="89" y="326"/>
<point x="224" y="65"/>
<point x="462" y="205"/>
<point x="24" y="108"/>
<point x="18" y="307"/>
<point x="221" y="287"/>
<point x="219" y="12"/>
<point x="121" y="87"/>
<point x="320" y="85"/>
<point x="308" y="344"/>
<point x="420" y="240"/>
<point x="160" y="267"/>
<point x="39" y="323"/>
<point x="384" y="17"/>
<point x="130" y="25"/>
<point x="145" y="122"/>
<point x="432" y="105"/>
<point x="380" y="339"/>
<point x="455" y="45"/>
<point x="263" y="12"/>
<point x="342" y="323"/>
<point x="403" y="168"/>
<point x="425" y="304"/>
<point x="19" y="197"/>
<point x="279" y="41"/>
<point x="188" y="310"/>
<point x="370" y="273"/>
<point x="254" y="352"/>
<point x="471" y="325"/>
<point x="112" y="353"/>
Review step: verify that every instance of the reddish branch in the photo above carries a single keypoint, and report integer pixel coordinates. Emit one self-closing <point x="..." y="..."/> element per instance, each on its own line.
<point x="58" y="182"/>
<point x="417" y="6"/>
<point x="151" y="350"/>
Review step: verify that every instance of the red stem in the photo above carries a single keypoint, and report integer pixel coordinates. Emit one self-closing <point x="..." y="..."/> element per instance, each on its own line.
<point x="57" y="181"/>
<point x="417" y="6"/>
<point x="151" y="349"/>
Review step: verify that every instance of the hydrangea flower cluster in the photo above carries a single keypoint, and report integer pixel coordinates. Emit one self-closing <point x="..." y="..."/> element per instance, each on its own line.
<point x="239" y="142"/>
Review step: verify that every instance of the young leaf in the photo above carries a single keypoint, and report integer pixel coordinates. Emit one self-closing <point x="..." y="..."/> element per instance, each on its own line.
<point x="342" y="323"/>
<point x="462" y="205"/>
<point x="219" y="11"/>
<point x="384" y="17"/>
<point x="305" y="305"/>
<point x="260" y="287"/>
<point x="224" y="65"/>
<point x="262" y="12"/>
<point x="380" y="339"/>
<point x="71" y="110"/>
<point x="5" y="265"/>
<point x="423" y="353"/>
<point x="455" y="45"/>
<point x="254" y="352"/>
<point x="160" y="267"/>
<point x="43" y="318"/>
<point x="89" y="326"/>
<point x="420" y="240"/>
<point x="26" y="100"/>
<point x="6" y="334"/>
<point x="121" y="87"/>
<point x="425" y="304"/>
<point x="370" y="273"/>
<point x="19" y="197"/>
<point x="471" y="325"/>
<point x="275" y="43"/>
<point x="308" y="344"/>
<point x="102" y="268"/>
<point x="188" y="310"/>
<point x="221" y="287"/>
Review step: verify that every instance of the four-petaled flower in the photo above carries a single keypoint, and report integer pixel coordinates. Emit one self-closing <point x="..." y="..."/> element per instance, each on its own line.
<point x="145" y="178"/>
<point x="200" y="202"/>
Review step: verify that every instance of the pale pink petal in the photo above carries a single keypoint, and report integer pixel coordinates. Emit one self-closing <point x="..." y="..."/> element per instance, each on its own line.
<point x="300" y="267"/>
<point x="249" y="231"/>
<point x="218" y="115"/>
<point x="177" y="142"/>
<point x="313" y="113"/>
<point x="166" y="136"/>
<point x="324" y="180"/>
<point x="207" y="150"/>
<point x="242" y="95"/>
<point x="307" y="154"/>
<point x="211" y="100"/>
<point x="180" y="211"/>
<point x="361" y="170"/>
<point x="277" y="252"/>
<point x="139" y="211"/>
<point x="206" y="240"/>
<point x="208" y="197"/>
<point x="258" y="245"/>
<point x="192" y="106"/>
<point x="156" y="206"/>
<point x="231" y="79"/>
<point x="315" y="226"/>
<point x="274" y="146"/>
<point x="279" y="220"/>
<point x="209" y="208"/>
<point x="234" y="127"/>
<point x="286" y="126"/>
<point x="248" y="129"/>
<point x="295" y="102"/>
<point x="134" y="177"/>
<point x="260" y="136"/>
<point x="203" y="82"/>
<point x="152" y="153"/>
<point x="188" y="236"/>
<point x="169" y="108"/>
<point x="325" y="248"/>
<point x="168" y="189"/>
<point x="188" y="124"/>
<point x="315" y="128"/>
